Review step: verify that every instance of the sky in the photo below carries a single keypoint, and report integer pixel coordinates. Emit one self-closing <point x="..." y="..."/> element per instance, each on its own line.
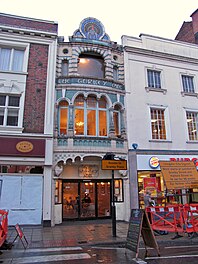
<point x="162" y="18"/>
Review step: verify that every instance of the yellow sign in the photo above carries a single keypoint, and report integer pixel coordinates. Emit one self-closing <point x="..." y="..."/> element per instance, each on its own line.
<point x="179" y="174"/>
<point x="114" y="165"/>
<point x="24" y="146"/>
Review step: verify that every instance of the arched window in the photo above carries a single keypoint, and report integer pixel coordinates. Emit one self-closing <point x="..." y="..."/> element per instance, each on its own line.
<point x="91" y="66"/>
<point x="90" y="116"/>
<point x="64" y="68"/>
<point x="63" y="117"/>
<point x="116" y="120"/>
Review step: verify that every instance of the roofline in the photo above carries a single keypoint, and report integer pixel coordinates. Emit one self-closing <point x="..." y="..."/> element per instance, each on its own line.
<point x="29" y="18"/>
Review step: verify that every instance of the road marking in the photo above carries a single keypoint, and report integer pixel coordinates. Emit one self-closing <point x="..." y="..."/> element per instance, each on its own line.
<point x="29" y="250"/>
<point x="172" y="257"/>
<point x="51" y="258"/>
<point x="191" y="246"/>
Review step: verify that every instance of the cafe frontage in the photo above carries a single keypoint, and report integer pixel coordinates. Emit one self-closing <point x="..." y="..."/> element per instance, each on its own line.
<point x="147" y="175"/>
<point x="83" y="190"/>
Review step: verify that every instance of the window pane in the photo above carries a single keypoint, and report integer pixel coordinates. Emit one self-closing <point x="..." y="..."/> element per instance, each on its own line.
<point x="115" y="73"/>
<point x="154" y="79"/>
<point x="102" y="123"/>
<point x="158" y="124"/>
<point x="102" y="103"/>
<point x="63" y="120"/>
<point x="192" y="123"/>
<point x="12" y="118"/>
<point x="14" y="101"/>
<point x="188" y="85"/>
<point x="91" y="122"/>
<point x="2" y="99"/>
<point x="1" y="116"/>
<point x="5" y="55"/>
<point x="79" y="101"/>
<point x="64" y="68"/>
<point x="17" y="64"/>
<point x="79" y="122"/>
<point x="116" y="123"/>
<point x="91" y="102"/>
<point x="92" y="66"/>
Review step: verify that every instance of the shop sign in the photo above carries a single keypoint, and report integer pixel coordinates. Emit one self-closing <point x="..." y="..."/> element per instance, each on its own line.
<point x="24" y="146"/>
<point x="114" y="165"/>
<point x="179" y="175"/>
<point x="154" y="162"/>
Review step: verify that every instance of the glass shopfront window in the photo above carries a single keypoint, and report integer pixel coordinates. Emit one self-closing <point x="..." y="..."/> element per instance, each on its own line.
<point x="86" y="199"/>
<point x="153" y="182"/>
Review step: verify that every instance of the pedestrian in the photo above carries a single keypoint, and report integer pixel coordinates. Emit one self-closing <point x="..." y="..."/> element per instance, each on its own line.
<point x="147" y="199"/>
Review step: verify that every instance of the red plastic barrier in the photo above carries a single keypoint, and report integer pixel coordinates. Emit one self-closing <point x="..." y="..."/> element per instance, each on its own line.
<point x="166" y="218"/>
<point x="3" y="226"/>
<point x="190" y="212"/>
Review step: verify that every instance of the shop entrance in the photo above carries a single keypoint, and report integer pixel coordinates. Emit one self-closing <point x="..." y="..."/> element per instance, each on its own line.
<point x="86" y="199"/>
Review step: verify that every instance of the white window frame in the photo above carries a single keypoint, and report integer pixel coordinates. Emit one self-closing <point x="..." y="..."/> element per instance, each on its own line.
<point x="166" y="119"/>
<point x="19" y="46"/>
<point x="160" y="75"/>
<point x="186" y="123"/>
<point x="194" y="83"/>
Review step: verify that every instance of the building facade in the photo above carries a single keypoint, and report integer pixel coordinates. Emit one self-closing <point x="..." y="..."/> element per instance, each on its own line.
<point x="161" y="78"/>
<point x="27" y="84"/>
<point x="89" y="122"/>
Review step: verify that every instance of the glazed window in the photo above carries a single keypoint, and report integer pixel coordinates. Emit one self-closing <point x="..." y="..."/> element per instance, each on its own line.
<point x="63" y="117"/>
<point x="188" y="85"/>
<point x="154" y="79"/>
<point x="64" y="68"/>
<point x="11" y="59"/>
<point x="116" y="119"/>
<point x="91" y="66"/>
<point x="90" y="116"/>
<point x="9" y="110"/>
<point x="115" y="73"/>
<point x="119" y="197"/>
<point x="158" y="123"/>
<point x="192" y="124"/>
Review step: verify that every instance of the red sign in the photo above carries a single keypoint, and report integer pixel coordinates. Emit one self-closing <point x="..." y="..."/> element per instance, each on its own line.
<point x="22" y="147"/>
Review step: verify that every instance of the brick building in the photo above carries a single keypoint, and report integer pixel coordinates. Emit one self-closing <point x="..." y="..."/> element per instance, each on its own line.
<point x="189" y="30"/>
<point x="27" y="80"/>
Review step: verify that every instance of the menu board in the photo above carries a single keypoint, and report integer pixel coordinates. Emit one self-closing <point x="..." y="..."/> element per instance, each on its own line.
<point x="139" y="224"/>
<point x="134" y="230"/>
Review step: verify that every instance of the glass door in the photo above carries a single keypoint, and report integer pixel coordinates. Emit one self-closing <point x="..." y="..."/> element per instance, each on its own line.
<point x="70" y="200"/>
<point x="104" y="192"/>
<point x="87" y="200"/>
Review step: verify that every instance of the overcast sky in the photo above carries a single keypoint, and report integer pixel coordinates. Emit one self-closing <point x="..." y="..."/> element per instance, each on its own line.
<point x="162" y="18"/>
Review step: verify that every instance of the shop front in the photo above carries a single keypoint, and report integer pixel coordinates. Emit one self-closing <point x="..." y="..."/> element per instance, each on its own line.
<point x="85" y="192"/>
<point x="148" y="175"/>
<point x="22" y="179"/>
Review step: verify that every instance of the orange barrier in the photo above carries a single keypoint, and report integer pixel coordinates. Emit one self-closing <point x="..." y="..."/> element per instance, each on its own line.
<point x="166" y="218"/>
<point x="3" y="226"/>
<point x="190" y="212"/>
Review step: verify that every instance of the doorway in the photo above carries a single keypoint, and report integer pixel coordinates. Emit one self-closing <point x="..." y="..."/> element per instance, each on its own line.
<point x="86" y="199"/>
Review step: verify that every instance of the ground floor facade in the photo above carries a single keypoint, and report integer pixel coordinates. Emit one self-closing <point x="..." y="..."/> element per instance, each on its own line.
<point x="25" y="179"/>
<point x="83" y="191"/>
<point x="145" y="174"/>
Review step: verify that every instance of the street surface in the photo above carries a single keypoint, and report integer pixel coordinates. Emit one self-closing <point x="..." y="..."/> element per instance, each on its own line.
<point x="94" y="255"/>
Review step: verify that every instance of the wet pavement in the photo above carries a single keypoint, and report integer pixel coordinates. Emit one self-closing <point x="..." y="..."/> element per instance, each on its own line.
<point x="85" y="237"/>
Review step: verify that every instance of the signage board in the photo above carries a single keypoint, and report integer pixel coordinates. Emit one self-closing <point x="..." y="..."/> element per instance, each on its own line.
<point x="139" y="224"/>
<point x="179" y="174"/>
<point x="114" y="165"/>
